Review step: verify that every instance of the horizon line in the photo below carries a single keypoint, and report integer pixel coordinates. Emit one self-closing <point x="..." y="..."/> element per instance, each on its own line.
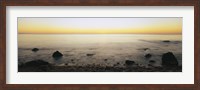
<point x="107" y="33"/>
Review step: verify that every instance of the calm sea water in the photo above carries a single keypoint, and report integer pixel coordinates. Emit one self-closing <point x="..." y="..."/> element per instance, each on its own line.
<point x="115" y="48"/>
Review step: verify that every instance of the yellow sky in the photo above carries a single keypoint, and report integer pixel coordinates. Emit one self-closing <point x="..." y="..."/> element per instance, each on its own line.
<point x="100" y="25"/>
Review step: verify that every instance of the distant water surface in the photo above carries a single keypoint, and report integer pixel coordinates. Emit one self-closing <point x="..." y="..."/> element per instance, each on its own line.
<point x="107" y="49"/>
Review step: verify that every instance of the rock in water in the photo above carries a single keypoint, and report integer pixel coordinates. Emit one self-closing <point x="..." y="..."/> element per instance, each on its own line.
<point x="105" y="59"/>
<point x="36" y="63"/>
<point x="148" y="56"/>
<point x="145" y="49"/>
<point x="168" y="59"/>
<point x="57" y="54"/>
<point x="35" y="49"/>
<point x="152" y="61"/>
<point x="166" y="41"/>
<point x="36" y="66"/>
<point x="129" y="62"/>
<point x="90" y="54"/>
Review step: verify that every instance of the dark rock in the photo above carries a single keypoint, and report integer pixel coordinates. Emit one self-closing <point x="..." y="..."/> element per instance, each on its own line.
<point x="168" y="59"/>
<point x="105" y="59"/>
<point x="129" y="62"/>
<point x="36" y="63"/>
<point x="89" y="54"/>
<point x="44" y="68"/>
<point x="150" y="65"/>
<point x="35" y="49"/>
<point x="166" y="41"/>
<point x="114" y="65"/>
<point x="152" y="61"/>
<point x="57" y="54"/>
<point x="148" y="56"/>
<point x="146" y="49"/>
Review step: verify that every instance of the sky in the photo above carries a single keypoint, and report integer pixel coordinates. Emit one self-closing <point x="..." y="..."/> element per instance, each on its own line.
<point x="99" y="25"/>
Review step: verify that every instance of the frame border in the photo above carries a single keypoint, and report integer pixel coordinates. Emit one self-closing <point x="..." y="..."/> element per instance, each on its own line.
<point x="4" y="3"/>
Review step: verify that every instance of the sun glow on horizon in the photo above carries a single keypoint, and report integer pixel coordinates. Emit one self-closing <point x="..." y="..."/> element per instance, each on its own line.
<point x="100" y="25"/>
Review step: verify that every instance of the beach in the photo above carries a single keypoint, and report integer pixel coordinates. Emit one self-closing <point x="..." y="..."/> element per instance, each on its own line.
<point x="98" y="52"/>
